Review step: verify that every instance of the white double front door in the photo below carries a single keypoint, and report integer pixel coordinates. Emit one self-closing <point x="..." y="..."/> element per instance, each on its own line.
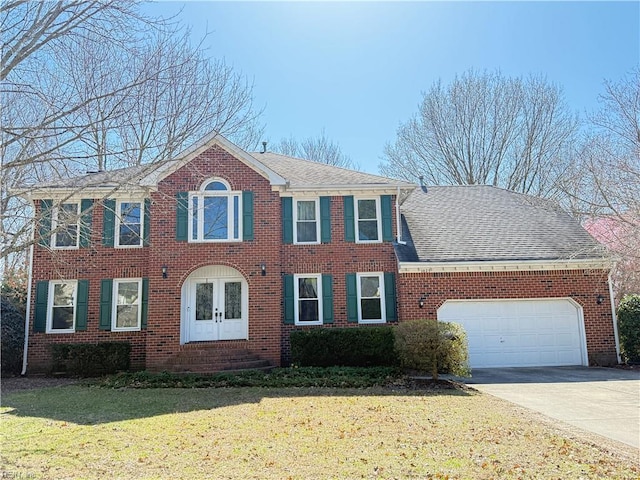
<point x="215" y="303"/>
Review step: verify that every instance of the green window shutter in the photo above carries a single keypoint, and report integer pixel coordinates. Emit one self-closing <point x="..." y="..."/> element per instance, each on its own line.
<point x="289" y="299"/>
<point x="44" y="228"/>
<point x="108" y="222"/>
<point x="287" y="220"/>
<point x="82" y="305"/>
<point x="390" y="297"/>
<point x="327" y="299"/>
<point x="182" y="216"/>
<point x="387" y="218"/>
<point x="349" y="220"/>
<point x="145" y="303"/>
<point x="86" y="218"/>
<point x="106" y="298"/>
<point x="352" y="298"/>
<point x="325" y="219"/>
<point x="247" y="215"/>
<point x="147" y="222"/>
<point x="42" y="303"/>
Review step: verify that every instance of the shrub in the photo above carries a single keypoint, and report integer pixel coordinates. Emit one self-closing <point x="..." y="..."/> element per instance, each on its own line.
<point x="355" y="347"/>
<point x="89" y="359"/>
<point x="433" y="347"/>
<point x="12" y="335"/>
<point x="629" y="328"/>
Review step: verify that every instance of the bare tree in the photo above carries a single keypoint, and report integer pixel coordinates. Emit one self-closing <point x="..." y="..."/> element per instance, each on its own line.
<point x="94" y="85"/>
<point x="317" y="149"/>
<point x="485" y="128"/>
<point x="604" y="183"/>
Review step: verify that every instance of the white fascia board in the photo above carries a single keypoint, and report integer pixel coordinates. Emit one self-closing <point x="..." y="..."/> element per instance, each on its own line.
<point x="201" y="146"/>
<point x="84" y="192"/>
<point x="505" y="266"/>
<point x="341" y="190"/>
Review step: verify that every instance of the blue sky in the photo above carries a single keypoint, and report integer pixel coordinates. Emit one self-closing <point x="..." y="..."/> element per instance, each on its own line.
<point x="358" y="69"/>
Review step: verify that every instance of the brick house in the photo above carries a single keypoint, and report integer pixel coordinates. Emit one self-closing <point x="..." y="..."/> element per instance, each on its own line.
<point x="210" y="260"/>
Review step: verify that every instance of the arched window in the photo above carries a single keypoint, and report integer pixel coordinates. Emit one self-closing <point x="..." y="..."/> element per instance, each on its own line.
<point x="215" y="213"/>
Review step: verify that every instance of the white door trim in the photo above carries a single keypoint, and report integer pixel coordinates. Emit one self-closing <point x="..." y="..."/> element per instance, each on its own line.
<point x="218" y="275"/>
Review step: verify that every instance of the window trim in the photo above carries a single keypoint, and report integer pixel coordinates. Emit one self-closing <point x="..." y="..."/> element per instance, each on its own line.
<point x="296" y="298"/>
<point x="54" y="226"/>
<point x="118" y="223"/>
<point x="50" y="306"/>
<point x="114" y="305"/>
<point x="233" y="216"/>
<point x="316" y="201"/>
<point x="382" y="297"/>
<point x="356" y="218"/>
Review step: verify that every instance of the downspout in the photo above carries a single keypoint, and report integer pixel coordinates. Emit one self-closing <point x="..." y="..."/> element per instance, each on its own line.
<point x="615" y="320"/>
<point x="27" y="313"/>
<point x="398" y="222"/>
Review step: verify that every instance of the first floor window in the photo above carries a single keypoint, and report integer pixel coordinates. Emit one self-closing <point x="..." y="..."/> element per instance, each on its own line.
<point x="62" y="306"/>
<point x="307" y="299"/>
<point x="65" y="225"/>
<point x="129" y="229"/>
<point x="371" y="308"/>
<point x="127" y="305"/>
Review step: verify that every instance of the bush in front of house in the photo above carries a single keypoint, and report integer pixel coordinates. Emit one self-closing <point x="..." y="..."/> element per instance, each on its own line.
<point x="91" y="359"/>
<point x="433" y="347"/>
<point x="12" y="336"/>
<point x="629" y="328"/>
<point x="353" y="347"/>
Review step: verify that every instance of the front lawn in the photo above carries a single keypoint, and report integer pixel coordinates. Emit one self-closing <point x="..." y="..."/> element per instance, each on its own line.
<point x="278" y="433"/>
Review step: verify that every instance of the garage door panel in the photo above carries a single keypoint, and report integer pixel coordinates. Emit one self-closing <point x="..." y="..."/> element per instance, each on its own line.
<point x="519" y="332"/>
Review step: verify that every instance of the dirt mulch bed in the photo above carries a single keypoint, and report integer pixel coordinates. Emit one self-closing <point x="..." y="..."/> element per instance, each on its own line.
<point x="11" y="384"/>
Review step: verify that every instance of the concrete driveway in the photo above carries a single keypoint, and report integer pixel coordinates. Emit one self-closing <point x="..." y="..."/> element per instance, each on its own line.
<point x="605" y="401"/>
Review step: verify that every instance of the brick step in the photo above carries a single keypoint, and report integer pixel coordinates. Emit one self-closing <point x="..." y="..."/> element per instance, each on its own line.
<point x="210" y="359"/>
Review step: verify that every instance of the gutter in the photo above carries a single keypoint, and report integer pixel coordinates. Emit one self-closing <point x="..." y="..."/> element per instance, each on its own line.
<point x="615" y="319"/>
<point x="503" y="265"/>
<point x="27" y="313"/>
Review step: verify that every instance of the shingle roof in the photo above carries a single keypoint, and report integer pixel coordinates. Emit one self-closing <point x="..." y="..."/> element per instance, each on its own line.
<point x="108" y="178"/>
<point x="305" y="173"/>
<point x="484" y="223"/>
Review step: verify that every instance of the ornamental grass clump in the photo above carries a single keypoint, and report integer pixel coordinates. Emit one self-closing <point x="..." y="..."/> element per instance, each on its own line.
<point x="432" y="347"/>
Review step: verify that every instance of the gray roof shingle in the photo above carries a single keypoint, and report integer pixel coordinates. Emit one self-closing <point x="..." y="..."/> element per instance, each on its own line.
<point x="485" y="223"/>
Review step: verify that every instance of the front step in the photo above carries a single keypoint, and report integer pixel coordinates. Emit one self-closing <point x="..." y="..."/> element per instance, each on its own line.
<point x="212" y="358"/>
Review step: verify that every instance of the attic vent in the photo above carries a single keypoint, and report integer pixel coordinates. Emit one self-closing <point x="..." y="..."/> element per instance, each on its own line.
<point x="264" y="147"/>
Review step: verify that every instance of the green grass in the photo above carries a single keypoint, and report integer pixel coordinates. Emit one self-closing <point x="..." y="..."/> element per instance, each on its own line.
<point x="279" y="433"/>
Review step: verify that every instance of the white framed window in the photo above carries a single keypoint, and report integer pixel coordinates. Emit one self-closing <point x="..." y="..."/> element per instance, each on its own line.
<point x="215" y="213"/>
<point x="61" y="310"/>
<point x="371" y="306"/>
<point x="368" y="224"/>
<point x="127" y="304"/>
<point x="308" y="299"/>
<point x="65" y="223"/>
<point x="306" y="215"/>
<point x="129" y="223"/>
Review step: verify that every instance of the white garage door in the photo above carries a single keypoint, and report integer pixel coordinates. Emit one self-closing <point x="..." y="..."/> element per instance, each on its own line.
<point x="519" y="333"/>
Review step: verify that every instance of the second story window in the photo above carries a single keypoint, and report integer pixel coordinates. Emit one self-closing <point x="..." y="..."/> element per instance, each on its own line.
<point x="215" y="213"/>
<point x="65" y="224"/>
<point x="368" y="220"/>
<point x="129" y="224"/>
<point x="306" y="221"/>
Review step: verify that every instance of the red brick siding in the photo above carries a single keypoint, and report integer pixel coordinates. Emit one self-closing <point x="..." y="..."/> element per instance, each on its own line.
<point x="583" y="286"/>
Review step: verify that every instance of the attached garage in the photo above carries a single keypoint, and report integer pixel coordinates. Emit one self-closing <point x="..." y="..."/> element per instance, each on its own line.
<point x="520" y="333"/>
